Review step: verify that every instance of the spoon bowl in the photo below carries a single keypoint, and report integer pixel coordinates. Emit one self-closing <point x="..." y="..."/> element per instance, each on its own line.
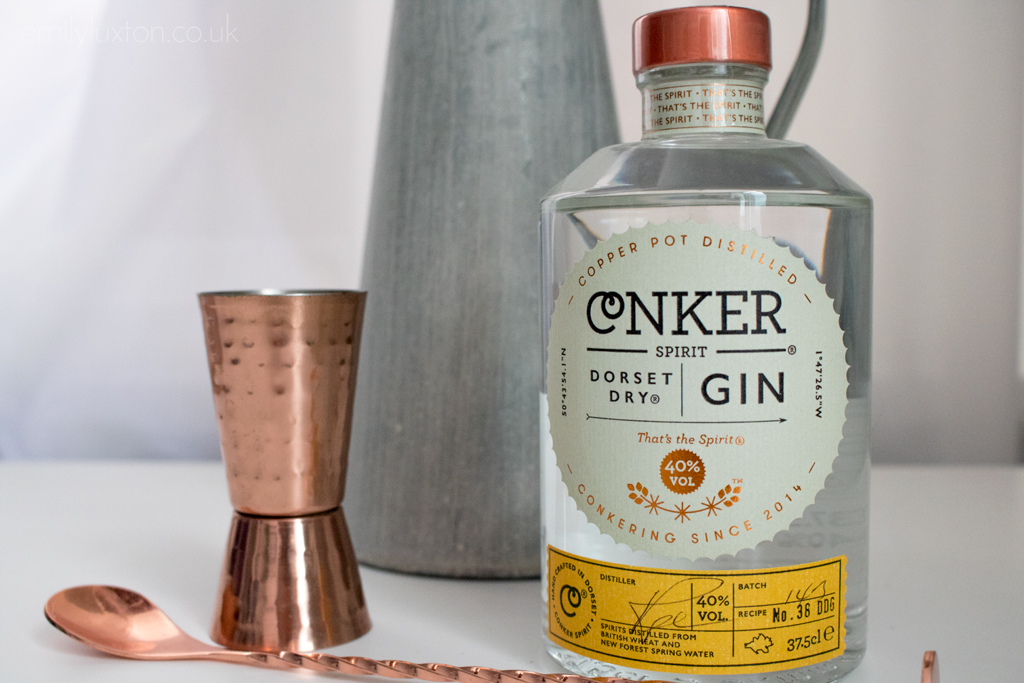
<point x="117" y="621"/>
<point x="124" y="623"/>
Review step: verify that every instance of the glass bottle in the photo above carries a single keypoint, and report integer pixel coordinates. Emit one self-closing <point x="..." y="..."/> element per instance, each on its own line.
<point x="706" y="303"/>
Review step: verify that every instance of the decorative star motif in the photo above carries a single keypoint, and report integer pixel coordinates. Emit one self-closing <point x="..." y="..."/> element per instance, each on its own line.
<point x="653" y="505"/>
<point x="682" y="512"/>
<point x="712" y="506"/>
<point x="641" y="495"/>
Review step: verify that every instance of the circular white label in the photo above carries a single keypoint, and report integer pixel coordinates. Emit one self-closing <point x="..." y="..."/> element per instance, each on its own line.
<point x="696" y="388"/>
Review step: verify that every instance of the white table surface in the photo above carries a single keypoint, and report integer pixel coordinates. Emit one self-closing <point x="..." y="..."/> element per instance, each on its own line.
<point x="947" y="574"/>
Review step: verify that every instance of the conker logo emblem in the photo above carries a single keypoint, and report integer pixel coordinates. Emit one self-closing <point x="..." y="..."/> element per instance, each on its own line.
<point x="570" y="599"/>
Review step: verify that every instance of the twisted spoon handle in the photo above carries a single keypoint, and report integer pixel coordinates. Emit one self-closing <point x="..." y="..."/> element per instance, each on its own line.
<point x="438" y="673"/>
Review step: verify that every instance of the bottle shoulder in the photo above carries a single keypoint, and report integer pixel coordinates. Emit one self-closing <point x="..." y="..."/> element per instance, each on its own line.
<point x="719" y="163"/>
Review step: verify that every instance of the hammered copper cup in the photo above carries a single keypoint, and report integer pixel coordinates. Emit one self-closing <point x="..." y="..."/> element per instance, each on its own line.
<point x="283" y="367"/>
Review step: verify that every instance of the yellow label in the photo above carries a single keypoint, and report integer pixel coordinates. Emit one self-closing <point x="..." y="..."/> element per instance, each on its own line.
<point x="698" y="622"/>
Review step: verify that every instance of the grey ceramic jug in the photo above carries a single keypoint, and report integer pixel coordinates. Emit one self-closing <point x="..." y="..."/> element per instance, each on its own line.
<point x="487" y="105"/>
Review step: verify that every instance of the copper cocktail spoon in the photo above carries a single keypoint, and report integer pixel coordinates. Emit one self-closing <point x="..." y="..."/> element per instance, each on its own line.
<point x="122" y="622"/>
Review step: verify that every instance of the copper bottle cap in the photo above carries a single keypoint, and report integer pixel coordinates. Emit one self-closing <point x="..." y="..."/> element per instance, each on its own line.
<point x="690" y="35"/>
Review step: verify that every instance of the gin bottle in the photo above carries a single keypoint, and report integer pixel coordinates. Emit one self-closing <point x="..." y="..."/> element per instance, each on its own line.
<point x="706" y="297"/>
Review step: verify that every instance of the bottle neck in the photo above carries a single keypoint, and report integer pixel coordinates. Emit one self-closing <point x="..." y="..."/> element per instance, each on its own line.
<point x="702" y="98"/>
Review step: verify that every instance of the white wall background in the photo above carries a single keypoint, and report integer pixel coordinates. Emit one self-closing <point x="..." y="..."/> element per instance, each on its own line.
<point x="153" y="149"/>
<point x="138" y="168"/>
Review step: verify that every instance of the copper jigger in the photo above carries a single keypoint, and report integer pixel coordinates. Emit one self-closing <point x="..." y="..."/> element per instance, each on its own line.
<point x="283" y="367"/>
